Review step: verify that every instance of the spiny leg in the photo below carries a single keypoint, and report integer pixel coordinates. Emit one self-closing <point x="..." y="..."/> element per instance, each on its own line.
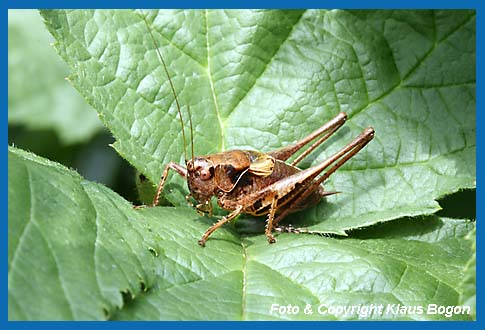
<point x="300" y="230"/>
<point x="225" y="219"/>
<point x="341" y="157"/>
<point x="329" y="128"/>
<point x="174" y="166"/>
<point x="269" y="221"/>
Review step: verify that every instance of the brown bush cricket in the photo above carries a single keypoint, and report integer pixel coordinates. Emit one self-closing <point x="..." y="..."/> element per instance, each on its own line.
<point x="257" y="183"/>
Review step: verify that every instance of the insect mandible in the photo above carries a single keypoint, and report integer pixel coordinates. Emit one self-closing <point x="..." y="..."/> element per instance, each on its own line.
<point x="257" y="183"/>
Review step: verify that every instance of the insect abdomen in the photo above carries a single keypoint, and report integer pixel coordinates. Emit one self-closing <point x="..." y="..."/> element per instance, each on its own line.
<point x="243" y="193"/>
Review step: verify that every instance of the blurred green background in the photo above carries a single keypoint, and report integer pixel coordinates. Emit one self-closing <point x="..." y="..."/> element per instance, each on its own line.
<point x="48" y="117"/>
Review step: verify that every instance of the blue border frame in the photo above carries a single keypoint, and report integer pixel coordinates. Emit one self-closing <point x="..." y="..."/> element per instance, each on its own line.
<point x="384" y="4"/>
<point x="400" y="4"/>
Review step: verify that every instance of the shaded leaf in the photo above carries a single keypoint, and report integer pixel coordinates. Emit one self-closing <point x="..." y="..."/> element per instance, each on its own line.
<point x="39" y="97"/>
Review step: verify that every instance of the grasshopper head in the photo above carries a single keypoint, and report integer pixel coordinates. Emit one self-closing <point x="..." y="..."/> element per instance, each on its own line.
<point x="200" y="179"/>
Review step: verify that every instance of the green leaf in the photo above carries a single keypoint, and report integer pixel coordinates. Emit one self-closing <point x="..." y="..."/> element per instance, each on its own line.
<point x="79" y="251"/>
<point x="264" y="79"/>
<point x="256" y="79"/>
<point x="39" y="97"/>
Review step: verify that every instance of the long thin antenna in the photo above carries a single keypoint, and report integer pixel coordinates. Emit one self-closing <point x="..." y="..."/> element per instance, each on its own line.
<point x="171" y="85"/>
<point x="191" y="133"/>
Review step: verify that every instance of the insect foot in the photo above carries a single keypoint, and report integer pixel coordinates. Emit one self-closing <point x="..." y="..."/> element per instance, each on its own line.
<point x="271" y="239"/>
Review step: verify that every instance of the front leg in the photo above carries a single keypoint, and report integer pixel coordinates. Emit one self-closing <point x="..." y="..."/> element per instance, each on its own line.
<point x="174" y="166"/>
<point x="225" y="219"/>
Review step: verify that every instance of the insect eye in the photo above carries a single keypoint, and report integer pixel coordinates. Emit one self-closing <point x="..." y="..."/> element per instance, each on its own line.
<point x="205" y="174"/>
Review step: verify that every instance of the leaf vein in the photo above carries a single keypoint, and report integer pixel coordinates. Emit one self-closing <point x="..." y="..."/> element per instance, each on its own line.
<point x="256" y="78"/>
<point x="244" y="284"/>
<point x="408" y="262"/>
<point x="211" y="82"/>
<point x="58" y="270"/>
<point x="24" y="230"/>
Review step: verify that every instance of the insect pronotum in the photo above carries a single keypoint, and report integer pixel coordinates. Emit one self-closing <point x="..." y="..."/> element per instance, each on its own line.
<point x="257" y="183"/>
